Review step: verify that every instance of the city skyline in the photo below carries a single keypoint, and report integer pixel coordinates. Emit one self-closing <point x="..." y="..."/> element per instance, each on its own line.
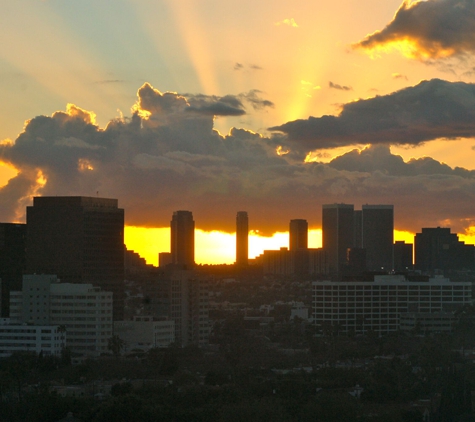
<point x="274" y="108"/>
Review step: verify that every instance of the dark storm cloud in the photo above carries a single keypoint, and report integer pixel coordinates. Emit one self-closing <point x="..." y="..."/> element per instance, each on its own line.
<point x="436" y="28"/>
<point x="229" y="105"/>
<point x="430" y="110"/>
<point x="164" y="158"/>
<point x="340" y="87"/>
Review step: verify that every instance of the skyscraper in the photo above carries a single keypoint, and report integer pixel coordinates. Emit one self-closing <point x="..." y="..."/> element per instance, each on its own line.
<point x="242" y="238"/>
<point x="79" y="239"/>
<point x="377" y="236"/>
<point x="298" y="235"/>
<point x="338" y="234"/>
<point x="183" y="239"/>
<point x="12" y="261"/>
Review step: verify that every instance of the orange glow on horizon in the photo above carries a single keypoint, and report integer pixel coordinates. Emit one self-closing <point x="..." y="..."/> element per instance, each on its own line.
<point x="217" y="247"/>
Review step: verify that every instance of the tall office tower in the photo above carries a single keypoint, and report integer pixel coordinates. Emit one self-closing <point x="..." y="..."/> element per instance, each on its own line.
<point x="402" y="256"/>
<point x="438" y="249"/>
<point x="338" y="234"/>
<point x="79" y="239"/>
<point x="358" y="228"/>
<point x="183" y="239"/>
<point x="298" y="235"/>
<point x="242" y="239"/>
<point x="377" y="236"/>
<point x="298" y="245"/>
<point x="12" y="261"/>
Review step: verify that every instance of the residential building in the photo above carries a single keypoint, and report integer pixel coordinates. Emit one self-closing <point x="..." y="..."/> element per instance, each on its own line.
<point x="46" y="339"/>
<point x="377" y="305"/>
<point x="79" y="239"/>
<point x="84" y="310"/>
<point x="189" y="308"/>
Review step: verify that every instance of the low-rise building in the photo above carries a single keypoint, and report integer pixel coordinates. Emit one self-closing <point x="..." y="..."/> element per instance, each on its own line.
<point x="377" y="305"/>
<point x="45" y="339"/>
<point x="145" y="332"/>
<point x="84" y="310"/>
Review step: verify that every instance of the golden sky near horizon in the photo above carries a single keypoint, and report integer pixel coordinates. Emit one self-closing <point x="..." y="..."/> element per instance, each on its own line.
<point x="250" y="66"/>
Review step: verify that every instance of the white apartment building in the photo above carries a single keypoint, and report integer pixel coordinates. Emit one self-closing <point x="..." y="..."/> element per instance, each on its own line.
<point x="377" y="305"/>
<point x="46" y="339"/>
<point x="145" y="332"/>
<point x="82" y="309"/>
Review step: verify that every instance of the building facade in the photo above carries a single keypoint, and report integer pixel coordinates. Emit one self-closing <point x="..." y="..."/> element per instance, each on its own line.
<point x="337" y="234"/>
<point x="145" y="332"/>
<point x="377" y="305"/>
<point x="378" y="236"/>
<point x="12" y="262"/>
<point x="79" y="239"/>
<point x="84" y="310"/>
<point x="182" y="232"/>
<point x="46" y="339"/>
<point x="189" y="308"/>
<point x="242" y="239"/>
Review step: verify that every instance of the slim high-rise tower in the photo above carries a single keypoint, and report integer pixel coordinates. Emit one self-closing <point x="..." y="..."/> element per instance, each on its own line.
<point x="79" y="239"/>
<point x="377" y="236"/>
<point x="298" y="235"/>
<point x="183" y="239"/>
<point x="338" y="234"/>
<point x="242" y="239"/>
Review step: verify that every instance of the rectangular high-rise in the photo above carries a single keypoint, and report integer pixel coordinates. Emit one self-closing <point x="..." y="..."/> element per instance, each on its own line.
<point x="377" y="227"/>
<point x="242" y="239"/>
<point x="79" y="239"/>
<point x="182" y="237"/>
<point x="337" y="234"/>
<point x="298" y="235"/>
<point x="12" y="261"/>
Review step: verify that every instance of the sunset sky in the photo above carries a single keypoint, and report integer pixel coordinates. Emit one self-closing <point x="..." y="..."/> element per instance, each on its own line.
<point x="271" y="107"/>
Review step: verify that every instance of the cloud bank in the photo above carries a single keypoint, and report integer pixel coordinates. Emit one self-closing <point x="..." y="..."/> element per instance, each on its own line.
<point x="431" y="29"/>
<point x="430" y="110"/>
<point x="167" y="156"/>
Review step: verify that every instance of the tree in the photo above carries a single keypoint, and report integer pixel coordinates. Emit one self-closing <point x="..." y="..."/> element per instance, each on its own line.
<point x="115" y="344"/>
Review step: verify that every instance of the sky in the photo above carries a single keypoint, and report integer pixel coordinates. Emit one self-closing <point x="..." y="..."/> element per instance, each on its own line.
<point x="270" y="107"/>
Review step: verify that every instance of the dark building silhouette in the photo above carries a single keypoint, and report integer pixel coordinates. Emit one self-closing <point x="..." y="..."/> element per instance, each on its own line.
<point x="183" y="239"/>
<point x="298" y="235"/>
<point x="242" y="239"/>
<point x="402" y="256"/>
<point x="337" y="234"/>
<point x="12" y="261"/>
<point x="298" y="245"/>
<point x="438" y="249"/>
<point x="79" y="239"/>
<point x="378" y="236"/>
<point x="358" y="228"/>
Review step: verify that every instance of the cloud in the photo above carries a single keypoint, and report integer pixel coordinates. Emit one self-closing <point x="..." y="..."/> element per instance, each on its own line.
<point x="430" y="110"/>
<point x="289" y="22"/>
<point x="238" y="66"/>
<point x="432" y="29"/>
<point x="399" y="76"/>
<point x="164" y="157"/>
<point x="340" y="87"/>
